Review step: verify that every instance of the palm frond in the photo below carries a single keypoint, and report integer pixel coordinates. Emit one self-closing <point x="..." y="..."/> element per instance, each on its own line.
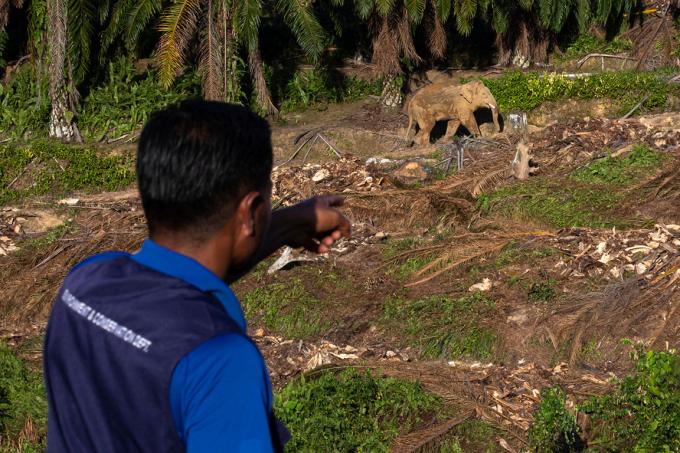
<point x="4" y="14"/>
<point x="582" y="14"/>
<point x="443" y="9"/>
<point x="384" y="7"/>
<point x="104" y="9"/>
<point x="300" y="18"/>
<point x="113" y="30"/>
<point x="364" y="8"/>
<point x="405" y="37"/>
<point x="386" y="49"/>
<point x="525" y="4"/>
<point x="80" y="25"/>
<point x="464" y="11"/>
<point x="138" y="18"/>
<point x="436" y="36"/>
<point x="248" y="22"/>
<point x="500" y="21"/>
<point x="177" y="27"/>
<point x="415" y="10"/>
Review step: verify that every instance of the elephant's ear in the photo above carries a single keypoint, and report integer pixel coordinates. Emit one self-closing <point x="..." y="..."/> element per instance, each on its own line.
<point x="466" y="95"/>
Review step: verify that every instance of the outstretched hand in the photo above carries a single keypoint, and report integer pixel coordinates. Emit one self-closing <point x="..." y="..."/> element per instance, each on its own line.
<point x="317" y="224"/>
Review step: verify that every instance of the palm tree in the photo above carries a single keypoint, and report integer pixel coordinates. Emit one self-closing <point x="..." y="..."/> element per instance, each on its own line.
<point x="527" y="28"/>
<point x="62" y="94"/>
<point x="392" y="24"/>
<point x="222" y="26"/>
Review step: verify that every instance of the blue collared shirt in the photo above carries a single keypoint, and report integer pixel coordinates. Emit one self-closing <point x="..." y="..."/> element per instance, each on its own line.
<point x="220" y="393"/>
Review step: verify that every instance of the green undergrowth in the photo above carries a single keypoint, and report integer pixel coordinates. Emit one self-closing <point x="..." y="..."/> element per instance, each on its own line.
<point x="641" y="413"/>
<point x="555" y="428"/>
<point x="318" y="87"/>
<point x="45" y="167"/>
<point x="443" y="326"/>
<point x="589" y="197"/>
<point x="620" y="171"/>
<point x="23" y="406"/>
<point x="514" y="253"/>
<point x="586" y="44"/>
<point x="126" y="99"/>
<point x="24" y="106"/>
<point x="287" y="309"/>
<point x="471" y="435"/>
<point x="556" y="204"/>
<point x="525" y="91"/>
<point x="351" y="411"/>
<point x="404" y="268"/>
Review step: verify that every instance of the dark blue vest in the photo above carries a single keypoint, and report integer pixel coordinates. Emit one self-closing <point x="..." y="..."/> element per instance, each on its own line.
<point x="116" y="332"/>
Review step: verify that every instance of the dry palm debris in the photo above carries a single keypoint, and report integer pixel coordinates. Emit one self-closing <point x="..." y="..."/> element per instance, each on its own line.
<point x="348" y="174"/>
<point x="650" y="254"/>
<point x="505" y="396"/>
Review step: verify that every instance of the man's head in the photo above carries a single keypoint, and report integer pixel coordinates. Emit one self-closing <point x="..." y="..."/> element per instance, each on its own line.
<point x="203" y="170"/>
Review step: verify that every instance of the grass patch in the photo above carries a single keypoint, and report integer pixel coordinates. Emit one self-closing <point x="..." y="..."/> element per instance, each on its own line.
<point x="56" y="168"/>
<point x="620" y="171"/>
<point x="584" y="199"/>
<point x="513" y="253"/>
<point x="23" y="406"/>
<point x="525" y="91"/>
<point x="444" y="327"/>
<point x="287" y="309"/>
<point x="557" y="203"/>
<point x="542" y="291"/>
<point x="351" y="411"/>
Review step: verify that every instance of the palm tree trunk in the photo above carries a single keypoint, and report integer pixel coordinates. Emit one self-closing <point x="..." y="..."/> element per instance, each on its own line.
<point x="61" y="125"/>
<point x="230" y="76"/>
<point x="264" y="98"/>
<point x="210" y="58"/>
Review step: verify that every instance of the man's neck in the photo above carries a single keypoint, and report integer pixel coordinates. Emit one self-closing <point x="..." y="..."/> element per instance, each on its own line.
<point x="212" y="253"/>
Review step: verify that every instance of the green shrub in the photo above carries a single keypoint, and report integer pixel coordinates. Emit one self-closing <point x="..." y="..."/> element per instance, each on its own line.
<point x="620" y="171"/>
<point x="526" y="91"/>
<point x="351" y="411"/>
<point x="22" y="402"/>
<point x="554" y="428"/>
<point x="24" y="105"/>
<point x="643" y="413"/>
<point x="125" y="100"/>
<point x="58" y="168"/>
<point x="443" y="326"/>
<point x="586" y="44"/>
<point x="318" y="87"/>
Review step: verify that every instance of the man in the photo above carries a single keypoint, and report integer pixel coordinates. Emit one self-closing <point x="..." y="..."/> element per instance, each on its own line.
<point x="148" y="351"/>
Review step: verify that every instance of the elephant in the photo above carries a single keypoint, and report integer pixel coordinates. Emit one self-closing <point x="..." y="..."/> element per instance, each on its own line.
<point x="451" y="103"/>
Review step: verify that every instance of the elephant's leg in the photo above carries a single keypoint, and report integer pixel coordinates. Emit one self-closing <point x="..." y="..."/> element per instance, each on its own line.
<point x="423" y="137"/>
<point x="451" y="129"/>
<point x="471" y="124"/>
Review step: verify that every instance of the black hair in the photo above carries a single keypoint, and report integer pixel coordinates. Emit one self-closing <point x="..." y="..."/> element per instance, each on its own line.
<point x="194" y="162"/>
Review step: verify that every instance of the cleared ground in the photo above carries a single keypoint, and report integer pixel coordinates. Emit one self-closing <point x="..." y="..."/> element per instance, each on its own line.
<point x="482" y="288"/>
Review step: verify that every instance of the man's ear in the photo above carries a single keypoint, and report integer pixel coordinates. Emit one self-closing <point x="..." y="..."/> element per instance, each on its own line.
<point x="247" y="212"/>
